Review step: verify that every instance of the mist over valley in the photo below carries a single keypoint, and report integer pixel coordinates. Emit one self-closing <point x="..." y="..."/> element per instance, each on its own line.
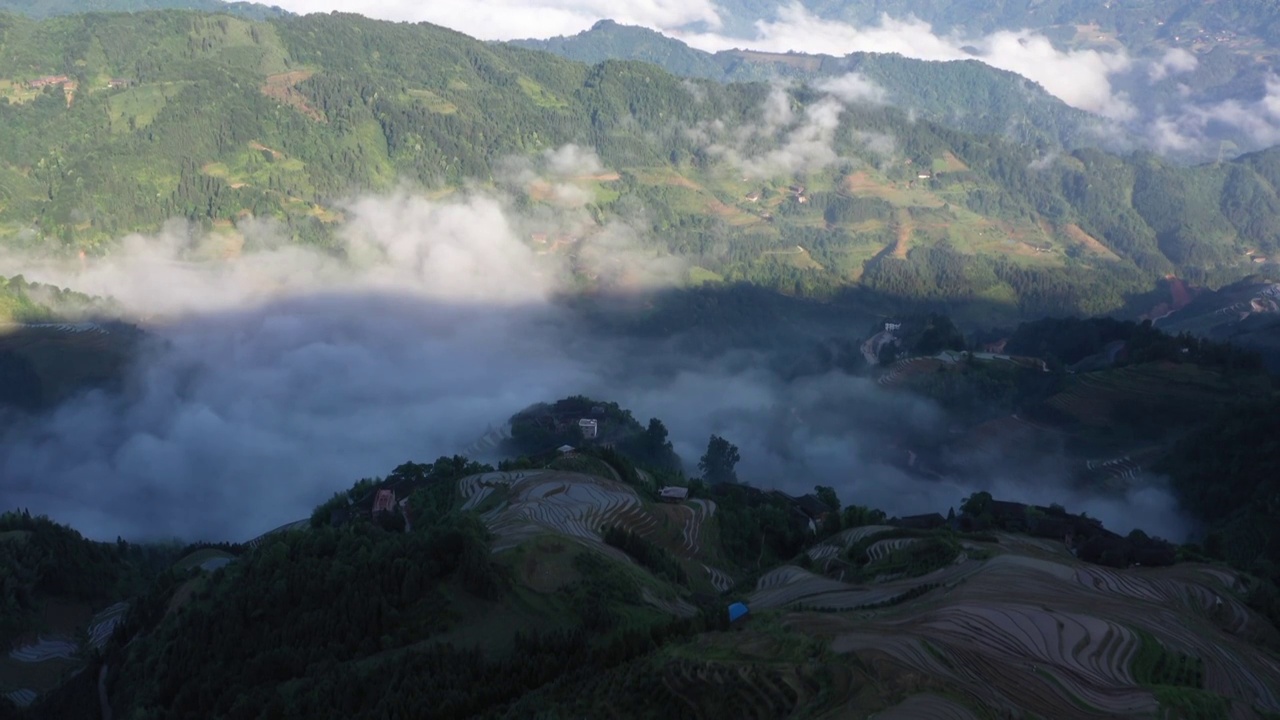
<point x="746" y="359"/>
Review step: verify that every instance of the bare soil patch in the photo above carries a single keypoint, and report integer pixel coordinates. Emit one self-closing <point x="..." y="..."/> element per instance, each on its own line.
<point x="283" y="87"/>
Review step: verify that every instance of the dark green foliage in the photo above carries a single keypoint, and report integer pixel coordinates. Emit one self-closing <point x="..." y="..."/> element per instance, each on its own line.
<point x="717" y="464"/>
<point x="297" y="593"/>
<point x="41" y="560"/>
<point x="853" y="516"/>
<point x="1228" y="474"/>
<point x="1157" y="665"/>
<point x="929" y="551"/>
<point x="650" y="556"/>
<point x="604" y="586"/>
<point x="757" y="529"/>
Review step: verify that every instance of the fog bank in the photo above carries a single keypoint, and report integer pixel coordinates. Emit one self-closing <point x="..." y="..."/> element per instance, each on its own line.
<point x="286" y="374"/>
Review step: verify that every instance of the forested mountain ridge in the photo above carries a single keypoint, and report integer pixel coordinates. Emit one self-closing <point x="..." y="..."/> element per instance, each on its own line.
<point x="116" y="123"/>
<point x="968" y="96"/>
<point x="52" y="8"/>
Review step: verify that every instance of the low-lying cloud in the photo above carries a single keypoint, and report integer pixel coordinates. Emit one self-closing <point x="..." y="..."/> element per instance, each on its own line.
<point x="281" y="376"/>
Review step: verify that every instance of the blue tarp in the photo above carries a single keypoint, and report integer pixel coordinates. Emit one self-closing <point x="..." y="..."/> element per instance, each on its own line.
<point x="736" y="611"/>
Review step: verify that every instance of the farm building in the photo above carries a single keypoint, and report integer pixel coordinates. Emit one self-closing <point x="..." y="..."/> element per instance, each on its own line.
<point x="384" y="501"/>
<point x="811" y="506"/>
<point x="48" y="80"/>
<point x="920" y="522"/>
<point x="565" y="449"/>
<point x="673" y="494"/>
<point x="590" y="428"/>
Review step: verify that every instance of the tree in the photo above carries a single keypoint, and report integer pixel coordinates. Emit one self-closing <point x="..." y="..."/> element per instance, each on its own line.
<point x="828" y="497"/>
<point x="656" y="436"/>
<point x="717" y="465"/>
<point x="858" y="516"/>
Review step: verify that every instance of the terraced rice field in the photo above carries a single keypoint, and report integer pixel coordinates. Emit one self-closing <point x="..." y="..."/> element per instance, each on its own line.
<point x="699" y="511"/>
<point x="719" y="580"/>
<point x="904" y="370"/>
<point x="295" y="525"/>
<point x="570" y="504"/>
<point x="933" y="707"/>
<point x="881" y="549"/>
<point x="104" y="623"/>
<point x="488" y="443"/>
<point x="23" y="697"/>
<point x="794" y="587"/>
<point x="1048" y="634"/>
<point x="45" y="649"/>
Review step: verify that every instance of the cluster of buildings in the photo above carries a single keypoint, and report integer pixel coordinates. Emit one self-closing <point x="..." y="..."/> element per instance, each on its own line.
<point x="48" y="80"/>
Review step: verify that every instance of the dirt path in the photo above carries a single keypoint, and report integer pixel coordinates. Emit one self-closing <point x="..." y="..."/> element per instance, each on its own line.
<point x="902" y="220"/>
<point x="282" y="87"/>
<point x="104" y="703"/>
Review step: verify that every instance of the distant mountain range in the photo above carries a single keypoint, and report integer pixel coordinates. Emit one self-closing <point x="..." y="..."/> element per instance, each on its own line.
<point x="968" y="96"/>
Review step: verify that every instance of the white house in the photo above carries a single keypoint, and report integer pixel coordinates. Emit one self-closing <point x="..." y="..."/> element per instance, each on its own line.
<point x="590" y="428"/>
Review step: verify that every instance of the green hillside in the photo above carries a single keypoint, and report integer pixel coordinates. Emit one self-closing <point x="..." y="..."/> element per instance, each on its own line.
<point x="968" y="96"/>
<point x="214" y="118"/>
<point x="52" y="8"/>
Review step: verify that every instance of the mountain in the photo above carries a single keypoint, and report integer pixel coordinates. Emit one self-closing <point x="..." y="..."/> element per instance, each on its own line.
<point x="563" y="583"/>
<point x="109" y="131"/>
<point x="52" y="8"/>
<point x="967" y="95"/>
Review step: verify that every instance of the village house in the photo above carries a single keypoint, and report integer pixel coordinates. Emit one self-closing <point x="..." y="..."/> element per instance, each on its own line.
<point x="920" y="522"/>
<point x="117" y="83"/>
<point x="48" y="80"/>
<point x="590" y="428"/>
<point x="673" y="494"/>
<point x="384" y="501"/>
<point x="753" y="197"/>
